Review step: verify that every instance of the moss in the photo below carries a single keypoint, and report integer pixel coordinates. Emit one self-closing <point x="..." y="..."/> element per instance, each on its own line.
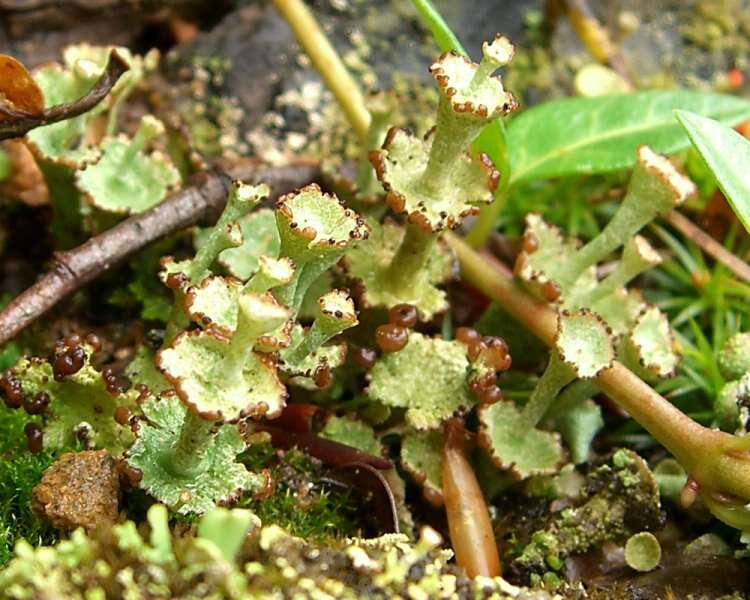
<point x="298" y="503"/>
<point x="20" y="471"/>
<point x="621" y="498"/>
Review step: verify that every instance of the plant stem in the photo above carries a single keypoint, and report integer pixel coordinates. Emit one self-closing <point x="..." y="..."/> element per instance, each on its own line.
<point x="453" y="135"/>
<point x="408" y="264"/>
<point x="573" y="396"/>
<point x="556" y="376"/>
<point x="327" y="62"/>
<point x="195" y="438"/>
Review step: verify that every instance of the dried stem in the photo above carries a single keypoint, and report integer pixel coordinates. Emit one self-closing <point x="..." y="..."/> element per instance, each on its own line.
<point x="327" y="62"/>
<point x="18" y="124"/>
<point x="472" y="536"/>
<point x="708" y="244"/>
<point x="200" y="202"/>
<point x="596" y="39"/>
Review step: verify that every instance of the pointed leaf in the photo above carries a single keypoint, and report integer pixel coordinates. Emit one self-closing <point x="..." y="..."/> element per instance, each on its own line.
<point x="598" y="135"/>
<point x="727" y="154"/>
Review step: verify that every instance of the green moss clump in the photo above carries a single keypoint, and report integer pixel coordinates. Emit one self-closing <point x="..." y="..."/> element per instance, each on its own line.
<point x="621" y="498"/>
<point x="20" y="471"/>
<point x="298" y="503"/>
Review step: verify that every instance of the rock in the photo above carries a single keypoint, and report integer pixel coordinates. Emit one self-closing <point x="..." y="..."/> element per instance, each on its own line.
<point x="81" y="489"/>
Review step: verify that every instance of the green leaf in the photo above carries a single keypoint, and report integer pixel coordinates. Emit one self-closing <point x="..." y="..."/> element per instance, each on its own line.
<point x="601" y="134"/>
<point x="354" y="433"/>
<point x="125" y="179"/>
<point x="259" y="237"/>
<point x="727" y="154"/>
<point x="368" y="262"/>
<point x="422" y="458"/>
<point x="513" y="445"/>
<point x="80" y="400"/>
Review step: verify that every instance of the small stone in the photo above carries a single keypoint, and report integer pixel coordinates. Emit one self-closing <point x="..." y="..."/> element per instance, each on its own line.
<point x="81" y="489"/>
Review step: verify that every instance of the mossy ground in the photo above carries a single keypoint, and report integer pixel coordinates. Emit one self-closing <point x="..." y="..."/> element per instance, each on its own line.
<point x="20" y="471"/>
<point x="300" y="502"/>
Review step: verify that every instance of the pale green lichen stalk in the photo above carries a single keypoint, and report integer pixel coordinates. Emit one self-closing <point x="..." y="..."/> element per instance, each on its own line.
<point x="315" y="230"/>
<point x="583" y="348"/>
<point x="434" y="182"/>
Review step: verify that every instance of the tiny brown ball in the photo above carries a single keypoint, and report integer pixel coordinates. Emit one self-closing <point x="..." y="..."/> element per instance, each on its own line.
<point x="403" y="315"/>
<point x="34" y="437"/>
<point x="391" y="337"/>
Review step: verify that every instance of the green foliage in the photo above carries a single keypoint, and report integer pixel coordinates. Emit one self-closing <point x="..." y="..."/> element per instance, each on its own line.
<point x="369" y="263"/>
<point x="82" y="399"/>
<point x="515" y="445"/>
<point x="124" y="179"/>
<point x="259" y="238"/>
<point x="601" y="134"/>
<point x="727" y="154"/>
<point x="422" y="458"/>
<point x="493" y="139"/>
<point x="20" y="471"/>
<point x="210" y="473"/>
<point x="6" y="166"/>
<point x="429" y="378"/>
<point x="643" y="551"/>
<point x="319" y="513"/>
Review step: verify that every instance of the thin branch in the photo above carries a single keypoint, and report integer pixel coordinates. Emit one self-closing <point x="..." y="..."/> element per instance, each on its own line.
<point x="596" y="39"/>
<point x="708" y="244"/>
<point x="19" y="123"/>
<point x="327" y="62"/>
<point x="199" y="202"/>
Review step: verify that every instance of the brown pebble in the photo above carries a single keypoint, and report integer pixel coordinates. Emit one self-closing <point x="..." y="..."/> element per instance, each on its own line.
<point x="391" y="338"/>
<point x="530" y="243"/>
<point x="34" y="437"/>
<point x="497" y="353"/>
<point x="365" y="358"/>
<point x="403" y="315"/>
<point x="11" y="391"/>
<point x="115" y="384"/>
<point x="81" y="489"/>
<point x="36" y="405"/>
<point x="490" y="395"/>
<point x="131" y="475"/>
<point x="475" y="348"/>
<point x="93" y="340"/>
<point x="467" y="335"/>
<point x="72" y="340"/>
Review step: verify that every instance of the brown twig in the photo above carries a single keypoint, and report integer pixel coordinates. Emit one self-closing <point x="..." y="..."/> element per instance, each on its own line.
<point x="17" y="123"/>
<point x="201" y="201"/>
<point x="708" y="244"/>
<point x="595" y="38"/>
